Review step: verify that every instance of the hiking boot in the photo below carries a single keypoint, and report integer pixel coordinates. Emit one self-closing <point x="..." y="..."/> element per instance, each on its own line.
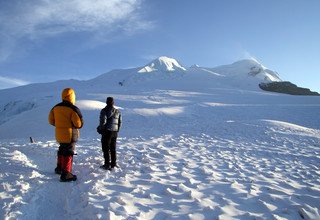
<point x="58" y="170"/>
<point x="114" y="166"/>
<point x="67" y="177"/>
<point x="105" y="167"/>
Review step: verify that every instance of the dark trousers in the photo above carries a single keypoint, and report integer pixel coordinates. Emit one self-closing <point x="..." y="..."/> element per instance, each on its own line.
<point x="108" y="141"/>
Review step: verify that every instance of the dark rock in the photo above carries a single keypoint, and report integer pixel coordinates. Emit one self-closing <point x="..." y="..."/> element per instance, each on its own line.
<point x="287" y="88"/>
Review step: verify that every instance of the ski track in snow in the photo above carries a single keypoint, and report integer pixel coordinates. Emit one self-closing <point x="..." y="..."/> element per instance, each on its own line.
<point x="274" y="175"/>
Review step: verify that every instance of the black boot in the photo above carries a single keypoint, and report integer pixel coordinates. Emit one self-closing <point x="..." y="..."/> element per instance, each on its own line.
<point x="105" y="167"/>
<point x="58" y="170"/>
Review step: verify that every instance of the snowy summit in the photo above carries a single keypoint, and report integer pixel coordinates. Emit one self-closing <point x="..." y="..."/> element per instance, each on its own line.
<point x="162" y="63"/>
<point x="248" y="67"/>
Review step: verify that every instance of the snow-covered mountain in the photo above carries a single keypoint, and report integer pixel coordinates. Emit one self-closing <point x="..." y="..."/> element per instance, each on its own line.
<point x="164" y="64"/>
<point x="196" y="143"/>
<point x="245" y="74"/>
<point x="23" y="103"/>
<point x="248" y="68"/>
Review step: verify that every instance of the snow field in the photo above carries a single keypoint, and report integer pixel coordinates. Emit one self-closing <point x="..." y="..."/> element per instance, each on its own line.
<point x="195" y="144"/>
<point x="275" y="176"/>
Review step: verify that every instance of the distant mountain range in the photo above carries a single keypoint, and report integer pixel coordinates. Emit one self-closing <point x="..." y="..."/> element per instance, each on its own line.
<point x="30" y="104"/>
<point x="245" y="74"/>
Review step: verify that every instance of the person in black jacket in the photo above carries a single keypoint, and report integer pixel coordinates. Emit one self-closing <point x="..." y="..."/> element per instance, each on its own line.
<point x="109" y="126"/>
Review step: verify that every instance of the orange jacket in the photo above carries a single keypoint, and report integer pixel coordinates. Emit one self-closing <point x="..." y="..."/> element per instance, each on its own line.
<point x="66" y="117"/>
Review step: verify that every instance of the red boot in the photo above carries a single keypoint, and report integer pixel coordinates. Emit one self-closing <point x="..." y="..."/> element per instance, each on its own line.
<point x="66" y="175"/>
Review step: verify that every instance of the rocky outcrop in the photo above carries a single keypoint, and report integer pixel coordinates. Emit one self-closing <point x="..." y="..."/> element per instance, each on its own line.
<point x="287" y="88"/>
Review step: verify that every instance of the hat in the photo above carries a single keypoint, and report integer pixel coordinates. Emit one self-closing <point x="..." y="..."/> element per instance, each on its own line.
<point x="110" y="101"/>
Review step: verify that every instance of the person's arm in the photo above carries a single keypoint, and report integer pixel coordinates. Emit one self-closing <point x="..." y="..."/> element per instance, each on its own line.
<point x="76" y="118"/>
<point x="119" y="121"/>
<point x="103" y="118"/>
<point x="51" y="117"/>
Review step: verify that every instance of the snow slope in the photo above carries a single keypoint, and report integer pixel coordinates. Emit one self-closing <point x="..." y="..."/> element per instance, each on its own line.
<point x="248" y="67"/>
<point x="198" y="144"/>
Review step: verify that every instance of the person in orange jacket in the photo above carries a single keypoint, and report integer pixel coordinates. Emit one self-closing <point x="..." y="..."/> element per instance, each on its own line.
<point x="67" y="119"/>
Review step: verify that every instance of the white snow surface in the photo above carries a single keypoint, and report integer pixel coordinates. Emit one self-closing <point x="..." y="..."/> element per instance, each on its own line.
<point x="248" y="68"/>
<point x="194" y="145"/>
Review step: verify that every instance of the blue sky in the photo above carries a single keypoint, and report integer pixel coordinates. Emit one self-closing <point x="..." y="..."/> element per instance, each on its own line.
<point x="43" y="40"/>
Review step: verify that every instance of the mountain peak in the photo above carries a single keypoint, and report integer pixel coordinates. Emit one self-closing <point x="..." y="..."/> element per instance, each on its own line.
<point x="250" y="62"/>
<point x="249" y="67"/>
<point x="164" y="64"/>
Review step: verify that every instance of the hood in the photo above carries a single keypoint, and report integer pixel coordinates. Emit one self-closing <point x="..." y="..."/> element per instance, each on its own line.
<point x="68" y="95"/>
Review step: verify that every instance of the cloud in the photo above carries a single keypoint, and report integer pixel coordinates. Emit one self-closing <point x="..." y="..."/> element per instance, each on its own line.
<point x="38" y="19"/>
<point x="7" y="82"/>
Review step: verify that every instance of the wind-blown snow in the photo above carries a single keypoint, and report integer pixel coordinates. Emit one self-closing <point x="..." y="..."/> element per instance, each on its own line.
<point x="90" y="105"/>
<point x="158" y="111"/>
<point x="197" y="146"/>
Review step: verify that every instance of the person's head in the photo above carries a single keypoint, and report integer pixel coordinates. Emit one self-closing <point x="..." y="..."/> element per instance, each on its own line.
<point x="68" y="95"/>
<point x="110" y="101"/>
